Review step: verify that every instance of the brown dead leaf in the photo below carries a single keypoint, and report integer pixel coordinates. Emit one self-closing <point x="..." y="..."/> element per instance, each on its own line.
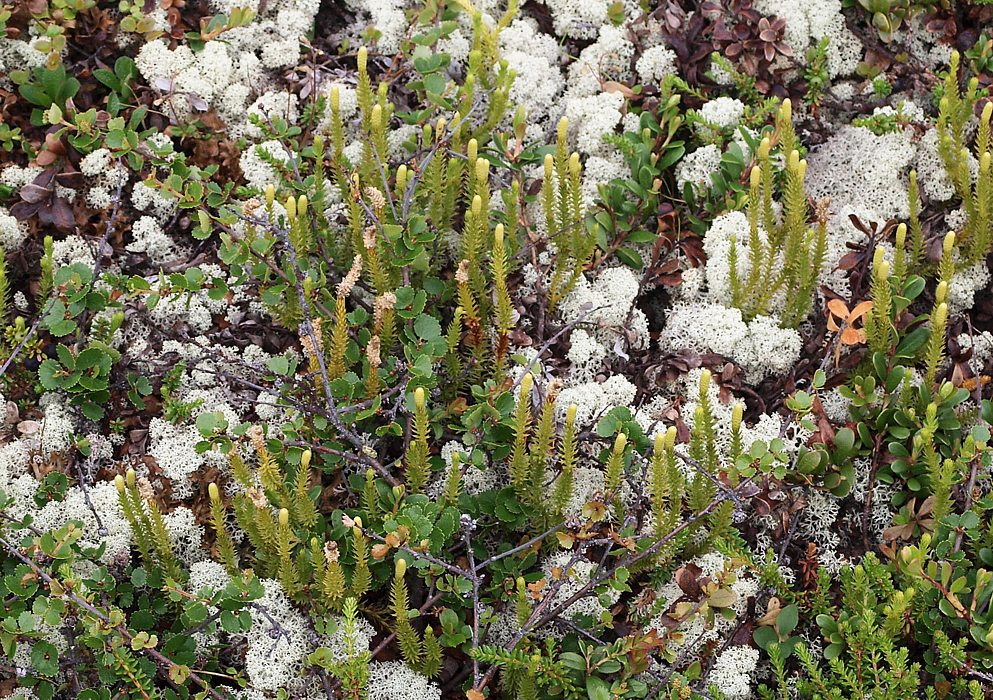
<point x="614" y="86"/>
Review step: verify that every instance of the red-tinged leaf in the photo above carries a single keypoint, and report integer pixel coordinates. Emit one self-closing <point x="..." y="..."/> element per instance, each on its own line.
<point x="61" y="214"/>
<point x="687" y="578"/>
<point x="45" y="179"/>
<point x="848" y="261"/>
<point x="857" y="223"/>
<point x="23" y="211"/>
<point x="72" y="179"/>
<point x="33" y="193"/>
<point x="46" y="158"/>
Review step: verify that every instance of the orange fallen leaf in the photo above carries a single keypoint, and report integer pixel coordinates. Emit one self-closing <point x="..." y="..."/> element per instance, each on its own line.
<point x="841" y="319"/>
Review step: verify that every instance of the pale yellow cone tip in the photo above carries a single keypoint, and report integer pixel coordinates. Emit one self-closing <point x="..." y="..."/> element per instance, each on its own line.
<point x="305" y="459"/>
<point x="755" y="177"/>
<point x="705" y="381"/>
<point x="270" y="194"/>
<point x="570" y="413"/>
<point x="419" y="397"/>
<point x="526" y="381"/>
<point x="498" y="235"/>
<point x="284" y="517"/>
<point x="659" y="443"/>
<point x="620" y="442"/>
<point x="215" y="494"/>
<point x="901" y="235"/>
<point x="477" y="205"/>
<point x="987" y="111"/>
<point x="549" y="162"/>
<point x="291" y="207"/>
<point x="130" y="478"/>
<point x="877" y="255"/>
<point x="736" y="414"/>
<point x="765" y="145"/>
<point x="941" y="291"/>
<point x="363" y="58"/>
<point x="574" y="165"/>
<point x="119" y="483"/>
<point x="401" y="568"/>
<point x="670" y="437"/>
<point x="948" y="243"/>
<point x="942" y="312"/>
<point x="563" y="128"/>
<point x="370" y="474"/>
<point x="482" y="170"/>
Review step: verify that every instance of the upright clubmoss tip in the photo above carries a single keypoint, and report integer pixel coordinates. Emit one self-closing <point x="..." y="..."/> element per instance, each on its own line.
<point x="620" y="442"/>
<point x="526" y="383"/>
